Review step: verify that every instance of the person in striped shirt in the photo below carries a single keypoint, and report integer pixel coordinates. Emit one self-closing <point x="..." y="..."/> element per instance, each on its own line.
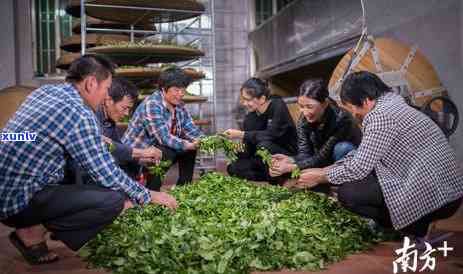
<point x="162" y="120"/>
<point x="34" y="198"/>
<point x="404" y="174"/>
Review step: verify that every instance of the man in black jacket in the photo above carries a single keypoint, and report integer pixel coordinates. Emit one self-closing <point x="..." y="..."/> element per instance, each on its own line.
<point x="325" y="132"/>
<point x="268" y="125"/>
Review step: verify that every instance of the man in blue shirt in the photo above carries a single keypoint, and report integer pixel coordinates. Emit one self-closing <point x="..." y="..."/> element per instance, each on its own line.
<point x="163" y="121"/>
<point x="33" y="199"/>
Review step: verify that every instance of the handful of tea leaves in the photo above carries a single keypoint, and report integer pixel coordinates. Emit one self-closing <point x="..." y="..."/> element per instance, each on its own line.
<point x="296" y="173"/>
<point x="160" y="169"/>
<point x="213" y="143"/>
<point x="265" y="155"/>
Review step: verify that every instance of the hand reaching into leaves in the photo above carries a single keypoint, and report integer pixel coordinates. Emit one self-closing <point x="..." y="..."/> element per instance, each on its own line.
<point x="311" y="177"/>
<point x="163" y="199"/>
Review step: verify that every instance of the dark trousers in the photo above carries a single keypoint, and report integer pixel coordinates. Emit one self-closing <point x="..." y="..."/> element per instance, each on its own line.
<point x="73" y="213"/>
<point x="74" y="174"/>
<point x="186" y="165"/>
<point x="366" y="199"/>
<point x="251" y="167"/>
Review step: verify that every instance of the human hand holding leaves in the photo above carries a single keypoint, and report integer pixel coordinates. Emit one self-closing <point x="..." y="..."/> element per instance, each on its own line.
<point x="164" y="199"/>
<point x="310" y="178"/>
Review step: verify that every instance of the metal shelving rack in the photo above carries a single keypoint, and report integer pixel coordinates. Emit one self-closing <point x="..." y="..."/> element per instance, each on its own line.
<point x="177" y="30"/>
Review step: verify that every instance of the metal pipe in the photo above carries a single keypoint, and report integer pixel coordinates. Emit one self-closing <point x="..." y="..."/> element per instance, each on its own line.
<point x="123" y="30"/>
<point x="47" y="18"/>
<point x="189" y="63"/>
<point x="83" y="27"/>
<point x="189" y="25"/>
<point x="193" y="41"/>
<point x="39" y="40"/>
<point x="132" y="35"/>
<point x="214" y="84"/>
<point x="144" y="31"/>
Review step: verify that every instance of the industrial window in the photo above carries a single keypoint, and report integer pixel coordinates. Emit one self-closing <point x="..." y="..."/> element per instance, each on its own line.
<point x="267" y="8"/>
<point x="52" y="24"/>
<point x="282" y="3"/>
<point x="264" y="10"/>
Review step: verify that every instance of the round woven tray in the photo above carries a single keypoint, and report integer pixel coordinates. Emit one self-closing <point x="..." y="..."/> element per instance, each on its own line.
<point x="103" y="24"/>
<point x="193" y="99"/>
<point x="191" y="9"/>
<point x="73" y="43"/>
<point x="154" y="73"/>
<point x="65" y="60"/>
<point x="136" y="55"/>
<point x="148" y="77"/>
<point x="187" y="99"/>
<point x="140" y="72"/>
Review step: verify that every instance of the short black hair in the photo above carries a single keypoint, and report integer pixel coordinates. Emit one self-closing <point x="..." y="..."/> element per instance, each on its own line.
<point x="362" y="85"/>
<point x="120" y="87"/>
<point x="315" y="89"/>
<point x="256" y="88"/>
<point x="90" y="64"/>
<point x="173" y="76"/>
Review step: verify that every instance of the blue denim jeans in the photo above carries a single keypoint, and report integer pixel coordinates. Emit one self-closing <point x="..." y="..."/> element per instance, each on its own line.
<point x="341" y="149"/>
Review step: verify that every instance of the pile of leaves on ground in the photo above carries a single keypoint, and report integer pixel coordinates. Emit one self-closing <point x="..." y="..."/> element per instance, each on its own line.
<point x="228" y="225"/>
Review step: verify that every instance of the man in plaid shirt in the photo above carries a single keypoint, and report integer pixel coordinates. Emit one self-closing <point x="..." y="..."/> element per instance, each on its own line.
<point x="34" y="198"/>
<point x="404" y="174"/>
<point x="163" y="121"/>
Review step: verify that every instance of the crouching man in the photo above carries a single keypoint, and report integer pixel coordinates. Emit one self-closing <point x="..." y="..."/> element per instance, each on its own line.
<point x="33" y="198"/>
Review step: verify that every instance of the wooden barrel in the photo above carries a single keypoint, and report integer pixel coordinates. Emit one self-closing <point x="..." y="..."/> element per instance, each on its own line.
<point x="10" y="99"/>
<point x="398" y="64"/>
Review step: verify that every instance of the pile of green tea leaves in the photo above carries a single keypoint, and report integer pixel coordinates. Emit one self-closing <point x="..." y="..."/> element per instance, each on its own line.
<point x="227" y="225"/>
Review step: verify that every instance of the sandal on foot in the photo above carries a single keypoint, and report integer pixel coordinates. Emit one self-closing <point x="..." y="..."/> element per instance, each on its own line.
<point x="34" y="254"/>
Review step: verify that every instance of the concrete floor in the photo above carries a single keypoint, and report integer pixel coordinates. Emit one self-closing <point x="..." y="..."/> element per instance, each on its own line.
<point x="378" y="260"/>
